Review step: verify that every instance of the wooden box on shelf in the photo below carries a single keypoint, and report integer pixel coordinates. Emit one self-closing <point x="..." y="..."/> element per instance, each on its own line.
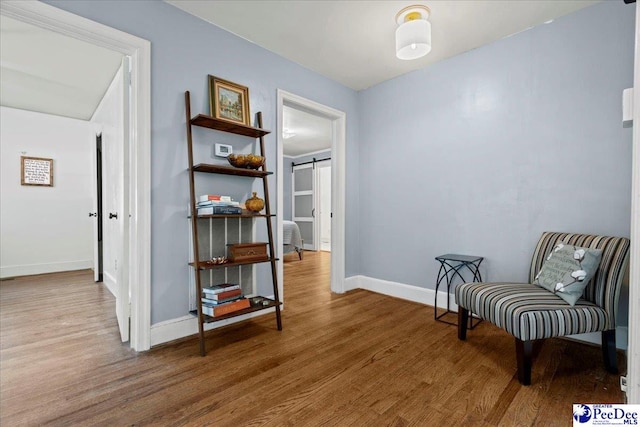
<point x="248" y="252"/>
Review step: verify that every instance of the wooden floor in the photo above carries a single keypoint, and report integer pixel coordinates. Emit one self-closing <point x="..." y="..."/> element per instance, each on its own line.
<point x="358" y="359"/>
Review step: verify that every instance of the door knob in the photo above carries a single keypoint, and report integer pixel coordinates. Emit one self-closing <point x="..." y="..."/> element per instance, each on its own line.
<point x="93" y="214"/>
<point x="113" y="215"/>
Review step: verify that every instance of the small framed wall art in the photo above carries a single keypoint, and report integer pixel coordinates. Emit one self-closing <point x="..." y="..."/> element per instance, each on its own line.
<point x="36" y="171"/>
<point x="229" y="101"/>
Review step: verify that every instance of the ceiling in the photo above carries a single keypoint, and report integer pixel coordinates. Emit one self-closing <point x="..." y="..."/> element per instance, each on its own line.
<point x="304" y="133"/>
<point x="353" y="42"/>
<point x="47" y="72"/>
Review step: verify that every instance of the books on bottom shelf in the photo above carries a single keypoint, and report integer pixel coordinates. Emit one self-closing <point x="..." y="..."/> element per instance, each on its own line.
<point x="216" y="310"/>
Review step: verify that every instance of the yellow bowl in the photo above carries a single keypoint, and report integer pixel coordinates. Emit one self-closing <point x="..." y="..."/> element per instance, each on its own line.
<point x="251" y="161"/>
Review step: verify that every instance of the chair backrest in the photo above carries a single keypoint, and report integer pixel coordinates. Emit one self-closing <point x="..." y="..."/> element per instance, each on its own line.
<point x="604" y="288"/>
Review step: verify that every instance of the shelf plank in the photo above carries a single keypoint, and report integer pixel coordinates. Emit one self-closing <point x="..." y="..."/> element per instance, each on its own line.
<point x="251" y="309"/>
<point x="244" y="215"/>
<point x="209" y="122"/>
<point x="229" y="170"/>
<point x="204" y="266"/>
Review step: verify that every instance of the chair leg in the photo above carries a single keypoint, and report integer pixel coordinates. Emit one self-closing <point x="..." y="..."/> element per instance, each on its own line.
<point x="463" y="318"/>
<point x="609" y="351"/>
<point x="523" y="355"/>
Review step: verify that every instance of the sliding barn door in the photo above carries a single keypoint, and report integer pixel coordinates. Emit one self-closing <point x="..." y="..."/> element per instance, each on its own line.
<point x="304" y="206"/>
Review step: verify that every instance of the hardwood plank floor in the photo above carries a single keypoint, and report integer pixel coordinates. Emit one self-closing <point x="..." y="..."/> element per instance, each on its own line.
<point x="360" y="359"/>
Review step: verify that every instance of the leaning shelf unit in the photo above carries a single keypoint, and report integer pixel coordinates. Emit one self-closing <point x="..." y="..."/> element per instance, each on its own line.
<point x="199" y="265"/>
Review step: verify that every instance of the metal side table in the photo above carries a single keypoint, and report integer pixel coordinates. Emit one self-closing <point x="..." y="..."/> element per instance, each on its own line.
<point x="450" y="266"/>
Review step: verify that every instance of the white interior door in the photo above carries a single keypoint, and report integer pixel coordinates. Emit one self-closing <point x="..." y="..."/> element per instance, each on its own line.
<point x="113" y="118"/>
<point x="123" y="297"/>
<point x="304" y="203"/>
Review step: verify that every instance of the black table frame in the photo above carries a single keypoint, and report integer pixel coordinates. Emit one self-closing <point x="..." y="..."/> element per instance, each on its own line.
<point x="450" y="266"/>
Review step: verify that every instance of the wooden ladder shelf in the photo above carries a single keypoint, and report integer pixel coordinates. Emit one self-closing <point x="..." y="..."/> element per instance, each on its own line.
<point x="200" y="265"/>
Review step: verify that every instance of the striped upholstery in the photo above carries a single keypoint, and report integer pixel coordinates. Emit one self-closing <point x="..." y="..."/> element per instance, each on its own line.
<point x="529" y="312"/>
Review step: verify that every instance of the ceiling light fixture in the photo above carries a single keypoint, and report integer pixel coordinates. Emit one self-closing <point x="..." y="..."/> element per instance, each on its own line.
<point x="413" y="35"/>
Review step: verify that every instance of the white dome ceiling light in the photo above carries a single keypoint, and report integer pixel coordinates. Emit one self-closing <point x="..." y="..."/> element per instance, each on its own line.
<point x="413" y="35"/>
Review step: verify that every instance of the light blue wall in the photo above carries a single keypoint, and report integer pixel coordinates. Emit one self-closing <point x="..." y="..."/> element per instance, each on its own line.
<point x="477" y="154"/>
<point x="184" y="50"/>
<point x="481" y="153"/>
<point x="287" y="178"/>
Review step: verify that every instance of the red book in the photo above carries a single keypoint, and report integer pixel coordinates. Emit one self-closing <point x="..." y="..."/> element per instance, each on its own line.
<point x="221" y="310"/>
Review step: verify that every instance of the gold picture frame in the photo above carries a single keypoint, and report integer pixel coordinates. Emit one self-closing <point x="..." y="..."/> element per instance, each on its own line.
<point x="36" y="171"/>
<point x="229" y="101"/>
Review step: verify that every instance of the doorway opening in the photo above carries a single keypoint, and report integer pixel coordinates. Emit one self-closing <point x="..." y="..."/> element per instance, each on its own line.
<point x="139" y="50"/>
<point x="99" y="260"/>
<point x="336" y="121"/>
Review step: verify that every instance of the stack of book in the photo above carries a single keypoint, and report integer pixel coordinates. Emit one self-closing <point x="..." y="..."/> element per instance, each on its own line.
<point x="215" y="204"/>
<point x="223" y="299"/>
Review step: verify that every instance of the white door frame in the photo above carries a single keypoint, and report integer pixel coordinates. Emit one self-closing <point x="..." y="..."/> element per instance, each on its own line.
<point x="338" y="180"/>
<point x="139" y="50"/>
<point x="633" y="350"/>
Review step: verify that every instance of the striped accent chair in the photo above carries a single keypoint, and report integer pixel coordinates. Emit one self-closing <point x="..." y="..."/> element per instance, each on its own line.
<point x="529" y="312"/>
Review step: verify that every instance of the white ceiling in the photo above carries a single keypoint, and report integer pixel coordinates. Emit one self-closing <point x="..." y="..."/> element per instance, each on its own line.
<point x="47" y="72"/>
<point x="353" y="42"/>
<point x="310" y="133"/>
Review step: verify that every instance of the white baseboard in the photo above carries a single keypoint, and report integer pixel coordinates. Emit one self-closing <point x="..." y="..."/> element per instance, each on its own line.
<point x="185" y="326"/>
<point x="427" y="296"/>
<point x="351" y="283"/>
<point x="53" y="267"/>
<point x="110" y="282"/>
<point x="596" y="338"/>
<point x="400" y="290"/>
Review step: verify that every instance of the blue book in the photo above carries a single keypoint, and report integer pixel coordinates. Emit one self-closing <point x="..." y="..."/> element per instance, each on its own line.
<point x="207" y="301"/>
<point x="220" y="210"/>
